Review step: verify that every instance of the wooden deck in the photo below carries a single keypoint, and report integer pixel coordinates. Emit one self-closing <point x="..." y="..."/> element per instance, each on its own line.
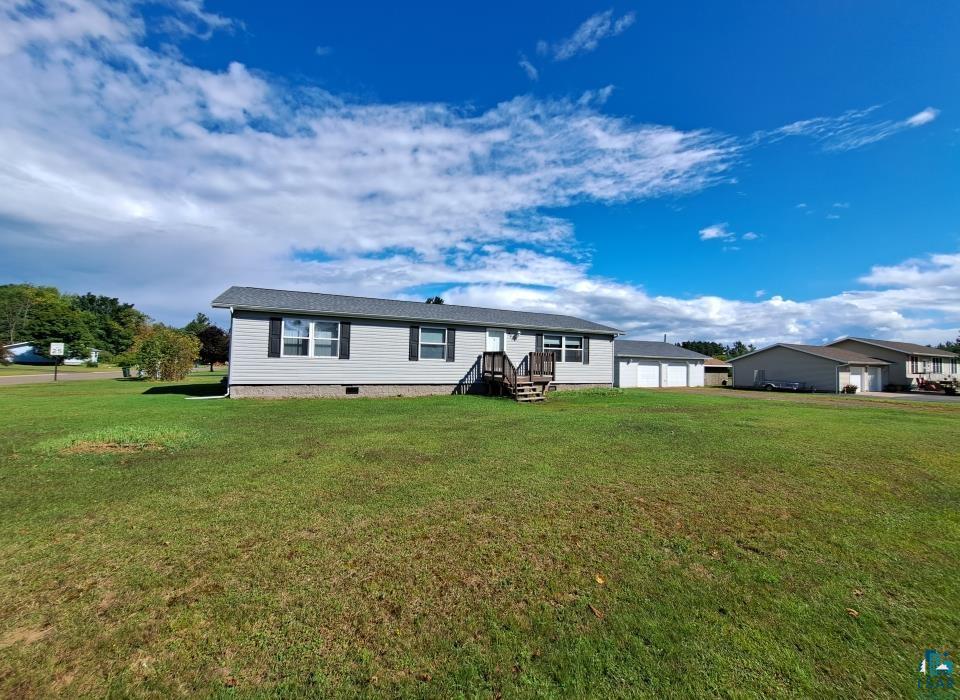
<point x="527" y="382"/>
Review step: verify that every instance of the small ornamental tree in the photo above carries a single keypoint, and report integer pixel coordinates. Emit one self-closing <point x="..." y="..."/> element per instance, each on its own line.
<point x="214" y="345"/>
<point x="166" y="354"/>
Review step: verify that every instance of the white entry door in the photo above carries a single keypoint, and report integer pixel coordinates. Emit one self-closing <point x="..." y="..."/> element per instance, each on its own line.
<point x="856" y="377"/>
<point x="494" y="340"/>
<point x="677" y="374"/>
<point x="648" y="374"/>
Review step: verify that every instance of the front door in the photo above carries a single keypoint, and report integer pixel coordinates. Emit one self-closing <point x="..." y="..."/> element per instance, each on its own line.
<point x="494" y="340"/>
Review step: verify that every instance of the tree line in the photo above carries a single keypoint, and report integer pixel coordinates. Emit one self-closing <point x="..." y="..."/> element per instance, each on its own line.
<point x="123" y="334"/>
<point x="718" y="350"/>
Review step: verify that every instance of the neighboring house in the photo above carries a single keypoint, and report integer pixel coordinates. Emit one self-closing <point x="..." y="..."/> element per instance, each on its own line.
<point x="818" y="368"/>
<point x="287" y="343"/>
<point x="908" y="361"/>
<point x="716" y="372"/>
<point x="650" y="363"/>
<point x="25" y="353"/>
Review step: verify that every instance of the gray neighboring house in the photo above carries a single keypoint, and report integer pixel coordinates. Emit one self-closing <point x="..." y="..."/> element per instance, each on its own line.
<point x="288" y="343"/>
<point x="908" y="361"/>
<point x="653" y="364"/>
<point x="819" y="368"/>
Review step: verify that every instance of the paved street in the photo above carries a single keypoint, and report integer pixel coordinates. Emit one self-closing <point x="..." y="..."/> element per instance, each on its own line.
<point x="43" y="377"/>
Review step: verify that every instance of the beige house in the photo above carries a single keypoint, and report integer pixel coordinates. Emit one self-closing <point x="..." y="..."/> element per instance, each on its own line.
<point x="814" y="367"/>
<point x="908" y="361"/>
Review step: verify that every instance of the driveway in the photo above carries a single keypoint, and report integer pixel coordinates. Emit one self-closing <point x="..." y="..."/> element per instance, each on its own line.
<point x="44" y="377"/>
<point x="935" y="398"/>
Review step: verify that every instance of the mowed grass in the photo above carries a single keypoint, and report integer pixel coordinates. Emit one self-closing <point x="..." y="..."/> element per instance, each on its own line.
<point x="20" y="370"/>
<point x="604" y="543"/>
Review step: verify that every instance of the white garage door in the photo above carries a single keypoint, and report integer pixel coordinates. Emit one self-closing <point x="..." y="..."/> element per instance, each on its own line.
<point x="677" y="374"/>
<point x="626" y="374"/>
<point x="874" y="379"/>
<point x="856" y="377"/>
<point x="648" y="374"/>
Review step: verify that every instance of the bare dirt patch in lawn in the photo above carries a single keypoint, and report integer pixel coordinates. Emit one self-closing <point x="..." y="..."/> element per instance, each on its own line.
<point x="23" y="635"/>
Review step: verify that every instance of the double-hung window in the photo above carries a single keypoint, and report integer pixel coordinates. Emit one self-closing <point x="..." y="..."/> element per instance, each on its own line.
<point x="953" y="366"/>
<point x="433" y="343"/>
<point x="554" y="344"/>
<point x="572" y="348"/>
<point x="565" y="348"/>
<point x="937" y="365"/>
<point x="305" y="338"/>
<point x="914" y="364"/>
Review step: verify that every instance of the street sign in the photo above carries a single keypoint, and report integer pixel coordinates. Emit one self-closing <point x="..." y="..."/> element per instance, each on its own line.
<point x="56" y="352"/>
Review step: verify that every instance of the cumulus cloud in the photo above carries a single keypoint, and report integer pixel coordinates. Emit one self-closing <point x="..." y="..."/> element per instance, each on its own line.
<point x="588" y="35"/>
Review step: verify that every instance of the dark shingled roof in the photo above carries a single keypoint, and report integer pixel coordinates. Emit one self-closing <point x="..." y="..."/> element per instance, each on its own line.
<point x="654" y="348"/>
<point x="909" y="348"/>
<point x="844" y="357"/>
<point x="255" y="298"/>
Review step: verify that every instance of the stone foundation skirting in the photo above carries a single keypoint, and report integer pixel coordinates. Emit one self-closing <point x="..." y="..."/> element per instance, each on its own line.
<point x="340" y="391"/>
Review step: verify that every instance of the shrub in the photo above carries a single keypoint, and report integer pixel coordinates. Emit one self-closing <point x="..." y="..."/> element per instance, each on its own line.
<point x="850" y="389"/>
<point x="165" y="354"/>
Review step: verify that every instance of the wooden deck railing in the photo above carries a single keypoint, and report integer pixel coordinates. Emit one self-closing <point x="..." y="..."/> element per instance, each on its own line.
<point x="535" y="366"/>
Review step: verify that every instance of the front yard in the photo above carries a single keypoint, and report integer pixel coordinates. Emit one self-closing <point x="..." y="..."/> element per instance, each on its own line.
<point x="603" y="543"/>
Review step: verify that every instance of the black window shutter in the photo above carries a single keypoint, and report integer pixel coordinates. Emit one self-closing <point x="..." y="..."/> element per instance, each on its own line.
<point x="414" y="343"/>
<point x="586" y="350"/>
<point x="451" y="344"/>
<point x="344" y="340"/>
<point x="539" y="342"/>
<point x="276" y="328"/>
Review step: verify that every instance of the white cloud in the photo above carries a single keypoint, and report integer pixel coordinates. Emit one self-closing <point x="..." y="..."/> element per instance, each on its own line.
<point x="715" y="232"/>
<point x="529" y="68"/>
<point x="852" y="129"/>
<point x="760" y="293"/>
<point x="323" y="50"/>
<point x="596" y="97"/>
<point x="802" y="205"/>
<point x="833" y="216"/>
<point x="588" y="35"/>
<point x="122" y="159"/>
<point x="749" y="236"/>
<point x="923" y="117"/>
<point x="127" y="171"/>
<point x="841" y="205"/>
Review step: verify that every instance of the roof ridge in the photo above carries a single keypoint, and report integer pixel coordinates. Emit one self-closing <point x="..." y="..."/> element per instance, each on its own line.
<point x="402" y="301"/>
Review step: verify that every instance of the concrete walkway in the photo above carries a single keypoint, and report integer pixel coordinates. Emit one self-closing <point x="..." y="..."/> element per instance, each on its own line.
<point x="45" y="377"/>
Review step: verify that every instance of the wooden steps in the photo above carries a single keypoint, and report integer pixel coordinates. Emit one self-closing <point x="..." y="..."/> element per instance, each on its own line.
<point x="527" y="383"/>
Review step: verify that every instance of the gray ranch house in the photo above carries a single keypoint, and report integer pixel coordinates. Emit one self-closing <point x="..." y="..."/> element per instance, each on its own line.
<point x="908" y="362"/>
<point x="289" y="343"/>
<point x="817" y="368"/>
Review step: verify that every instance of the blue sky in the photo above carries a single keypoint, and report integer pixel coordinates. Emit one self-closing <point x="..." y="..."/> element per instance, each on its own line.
<point x="736" y="170"/>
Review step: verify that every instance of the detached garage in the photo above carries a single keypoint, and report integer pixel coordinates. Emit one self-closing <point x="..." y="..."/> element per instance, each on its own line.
<point x="815" y="368"/>
<point x="651" y="364"/>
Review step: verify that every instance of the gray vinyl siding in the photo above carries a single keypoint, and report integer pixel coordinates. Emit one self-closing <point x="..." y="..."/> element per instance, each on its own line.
<point x="379" y="352"/>
<point x="899" y="370"/>
<point x="785" y="364"/>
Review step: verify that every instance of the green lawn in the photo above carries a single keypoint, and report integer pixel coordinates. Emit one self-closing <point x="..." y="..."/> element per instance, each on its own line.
<point x="604" y="543"/>
<point x="14" y="370"/>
